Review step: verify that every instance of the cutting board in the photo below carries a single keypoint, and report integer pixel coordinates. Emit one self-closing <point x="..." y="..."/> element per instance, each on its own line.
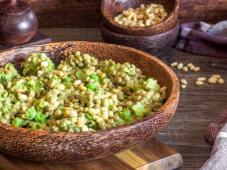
<point x="150" y="155"/>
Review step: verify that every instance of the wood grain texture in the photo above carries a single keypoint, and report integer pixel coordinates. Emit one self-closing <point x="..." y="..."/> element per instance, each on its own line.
<point x="86" y="13"/>
<point x="198" y="105"/>
<point x="151" y="153"/>
<point x="67" y="147"/>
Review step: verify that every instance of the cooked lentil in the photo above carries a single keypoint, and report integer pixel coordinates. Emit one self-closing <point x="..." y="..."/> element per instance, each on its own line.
<point x="79" y="94"/>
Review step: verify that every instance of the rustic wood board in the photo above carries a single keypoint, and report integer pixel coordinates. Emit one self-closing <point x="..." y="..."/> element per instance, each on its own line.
<point x="149" y="155"/>
<point x="198" y="105"/>
<point x="79" y="13"/>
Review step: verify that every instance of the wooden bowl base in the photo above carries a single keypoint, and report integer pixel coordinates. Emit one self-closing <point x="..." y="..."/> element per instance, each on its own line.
<point x="149" y="155"/>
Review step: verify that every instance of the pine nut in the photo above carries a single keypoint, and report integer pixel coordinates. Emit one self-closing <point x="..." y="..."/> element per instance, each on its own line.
<point x="183" y="86"/>
<point x="199" y="83"/>
<point x="213" y="80"/>
<point x="221" y="81"/>
<point x="216" y="75"/>
<point x="174" y="64"/>
<point x="180" y="66"/>
<point x="201" y="78"/>
<point x="185" y="68"/>
<point x="196" y="69"/>
<point x="184" y="81"/>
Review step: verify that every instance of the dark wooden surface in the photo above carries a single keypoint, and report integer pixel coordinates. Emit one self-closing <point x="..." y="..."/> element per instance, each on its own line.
<point x="86" y="13"/>
<point x="151" y="153"/>
<point x="198" y="105"/>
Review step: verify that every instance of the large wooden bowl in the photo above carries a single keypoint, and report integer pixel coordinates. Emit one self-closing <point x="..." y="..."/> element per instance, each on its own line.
<point x="65" y="146"/>
<point x="111" y="8"/>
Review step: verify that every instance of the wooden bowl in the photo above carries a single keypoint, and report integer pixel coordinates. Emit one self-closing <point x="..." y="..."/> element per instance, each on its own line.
<point x="111" y="8"/>
<point x="153" y="44"/>
<point x="68" y="146"/>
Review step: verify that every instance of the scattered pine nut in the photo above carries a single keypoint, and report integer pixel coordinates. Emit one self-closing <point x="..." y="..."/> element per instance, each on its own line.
<point x="196" y="69"/>
<point x="201" y="79"/>
<point x="190" y="64"/>
<point x="174" y="64"/>
<point x="221" y="81"/>
<point x="216" y="75"/>
<point x="199" y="83"/>
<point x="212" y="80"/>
<point x="180" y="66"/>
<point x="184" y="81"/>
<point x="192" y="67"/>
<point x="185" y="68"/>
<point x="183" y="86"/>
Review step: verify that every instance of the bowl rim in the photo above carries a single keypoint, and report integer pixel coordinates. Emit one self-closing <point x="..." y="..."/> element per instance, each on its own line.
<point x="171" y="100"/>
<point x="109" y="18"/>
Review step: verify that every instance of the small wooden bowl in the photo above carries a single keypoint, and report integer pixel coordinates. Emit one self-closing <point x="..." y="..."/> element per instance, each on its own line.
<point x="111" y="8"/>
<point x="153" y="44"/>
<point x="66" y="146"/>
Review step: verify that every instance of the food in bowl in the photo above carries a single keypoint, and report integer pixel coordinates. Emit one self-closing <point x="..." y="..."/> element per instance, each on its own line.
<point x="142" y="16"/>
<point x="79" y="94"/>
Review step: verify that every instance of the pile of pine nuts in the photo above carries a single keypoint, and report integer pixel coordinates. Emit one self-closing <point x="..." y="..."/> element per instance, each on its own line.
<point x="143" y="16"/>
<point x="186" y="67"/>
<point x="213" y="79"/>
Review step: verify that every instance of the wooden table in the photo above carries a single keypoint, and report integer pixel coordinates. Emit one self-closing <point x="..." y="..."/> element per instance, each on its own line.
<point x="198" y="105"/>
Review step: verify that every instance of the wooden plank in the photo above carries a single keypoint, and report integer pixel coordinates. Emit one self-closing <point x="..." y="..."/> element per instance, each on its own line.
<point x="78" y="13"/>
<point x="198" y="105"/>
<point x="155" y="156"/>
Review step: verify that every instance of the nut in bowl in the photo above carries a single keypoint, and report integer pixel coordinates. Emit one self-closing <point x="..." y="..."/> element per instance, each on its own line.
<point x="151" y="26"/>
<point x="21" y="141"/>
<point x="157" y="17"/>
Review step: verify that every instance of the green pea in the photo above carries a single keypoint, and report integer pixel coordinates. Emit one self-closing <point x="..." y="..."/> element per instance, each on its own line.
<point x="31" y="113"/>
<point x="91" y="86"/>
<point x="18" y="122"/>
<point x="67" y="79"/>
<point x="119" y="122"/>
<point x="126" y="115"/>
<point x="40" y="118"/>
<point x="139" y="109"/>
<point x="94" y="77"/>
